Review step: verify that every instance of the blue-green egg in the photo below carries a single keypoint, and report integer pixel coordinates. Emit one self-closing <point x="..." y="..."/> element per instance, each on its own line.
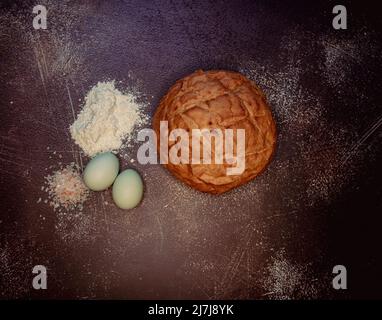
<point x="101" y="171"/>
<point x="128" y="189"/>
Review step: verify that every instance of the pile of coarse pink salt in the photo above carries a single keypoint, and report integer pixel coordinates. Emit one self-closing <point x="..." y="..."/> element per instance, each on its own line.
<point x="66" y="189"/>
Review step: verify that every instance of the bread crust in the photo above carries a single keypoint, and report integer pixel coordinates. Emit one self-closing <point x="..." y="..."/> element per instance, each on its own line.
<point x="225" y="100"/>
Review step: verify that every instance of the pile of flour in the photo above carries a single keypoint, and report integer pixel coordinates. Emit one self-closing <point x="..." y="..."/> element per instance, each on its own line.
<point x="107" y="119"/>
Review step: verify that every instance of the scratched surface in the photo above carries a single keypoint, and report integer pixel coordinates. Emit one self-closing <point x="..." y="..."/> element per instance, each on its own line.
<point x="278" y="237"/>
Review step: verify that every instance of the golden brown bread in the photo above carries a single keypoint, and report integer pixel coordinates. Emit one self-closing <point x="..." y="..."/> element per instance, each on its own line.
<point x="224" y="100"/>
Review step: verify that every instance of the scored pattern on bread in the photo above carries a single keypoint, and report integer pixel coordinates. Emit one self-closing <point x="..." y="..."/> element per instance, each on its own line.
<point x="219" y="100"/>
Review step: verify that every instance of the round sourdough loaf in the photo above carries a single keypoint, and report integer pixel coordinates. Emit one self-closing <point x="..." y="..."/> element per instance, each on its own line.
<point x="218" y="100"/>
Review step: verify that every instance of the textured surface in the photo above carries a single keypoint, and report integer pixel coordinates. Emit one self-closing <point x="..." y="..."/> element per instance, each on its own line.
<point x="218" y="100"/>
<point x="318" y="203"/>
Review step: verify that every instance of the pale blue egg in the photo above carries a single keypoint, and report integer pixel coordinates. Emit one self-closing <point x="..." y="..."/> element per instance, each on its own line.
<point x="101" y="171"/>
<point x="128" y="189"/>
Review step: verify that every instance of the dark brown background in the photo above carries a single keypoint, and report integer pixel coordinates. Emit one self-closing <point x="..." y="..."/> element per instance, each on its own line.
<point x="180" y="243"/>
